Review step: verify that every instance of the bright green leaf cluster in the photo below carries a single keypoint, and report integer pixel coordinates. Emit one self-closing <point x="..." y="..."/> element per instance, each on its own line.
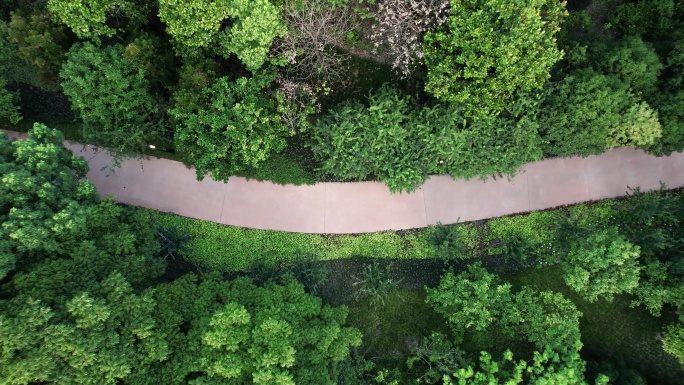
<point x="88" y="19"/>
<point x="476" y="299"/>
<point x="257" y="23"/>
<point x="196" y="26"/>
<point x="240" y="333"/>
<point x="490" y="49"/>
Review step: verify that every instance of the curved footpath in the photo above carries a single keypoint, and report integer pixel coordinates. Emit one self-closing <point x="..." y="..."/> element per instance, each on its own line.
<point x="170" y="186"/>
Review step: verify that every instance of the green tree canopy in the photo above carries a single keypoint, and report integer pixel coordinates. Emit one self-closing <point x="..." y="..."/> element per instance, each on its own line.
<point x="112" y="95"/>
<point x="40" y="42"/>
<point x="488" y="50"/>
<point x="587" y="113"/>
<point x="670" y="102"/>
<point x="603" y="265"/>
<point x="643" y="17"/>
<point x="673" y="342"/>
<point x="42" y="199"/>
<point x="476" y="300"/>
<point x="9" y="111"/>
<point x="236" y="332"/>
<point x="94" y="338"/>
<point x="234" y="125"/>
<point x="91" y="19"/>
<point x="632" y="60"/>
<point x="196" y="26"/>
<point x="115" y="239"/>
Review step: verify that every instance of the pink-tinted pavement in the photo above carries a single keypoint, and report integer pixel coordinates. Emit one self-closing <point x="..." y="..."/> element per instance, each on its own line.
<point x="170" y="186"/>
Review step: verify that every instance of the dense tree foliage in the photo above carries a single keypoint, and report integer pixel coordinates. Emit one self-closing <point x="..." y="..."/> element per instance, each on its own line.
<point x="239" y="332"/>
<point x="632" y="60"/>
<point x="653" y="223"/>
<point x="673" y="341"/>
<point x="489" y="146"/>
<point x="41" y="198"/>
<point x="8" y="108"/>
<point x="39" y="42"/>
<point x="113" y="98"/>
<point x="93" y="19"/>
<point x="8" y="101"/>
<point x="488" y="50"/>
<point x="475" y="301"/>
<point x="235" y="125"/>
<point x="588" y="112"/>
<point x="644" y="17"/>
<point x="356" y="141"/>
<point x="197" y="25"/>
<point x="670" y="102"/>
<point x="94" y="338"/>
<point x="602" y="265"/>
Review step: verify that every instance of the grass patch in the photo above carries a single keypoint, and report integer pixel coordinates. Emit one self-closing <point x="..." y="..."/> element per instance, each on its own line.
<point x="389" y="331"/>
<point x="230" y="248"/>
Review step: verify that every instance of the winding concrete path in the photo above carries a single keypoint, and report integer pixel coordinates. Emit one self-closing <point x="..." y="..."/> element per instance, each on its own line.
<point x="169" y="186"/>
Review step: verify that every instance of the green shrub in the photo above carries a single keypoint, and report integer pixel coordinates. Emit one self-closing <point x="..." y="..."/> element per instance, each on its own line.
<point x="448" y="241"/>
<point x="387" y="140"/>
<point x="374" y="283"/>
<point x="673" y="342"/>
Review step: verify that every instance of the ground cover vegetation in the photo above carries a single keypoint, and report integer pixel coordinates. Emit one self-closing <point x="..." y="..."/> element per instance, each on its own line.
<point x="95" y="292"/>
<point x="299" y="91"/>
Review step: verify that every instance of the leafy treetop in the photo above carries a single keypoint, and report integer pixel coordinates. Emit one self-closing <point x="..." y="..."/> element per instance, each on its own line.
<point x="489" y="49"/>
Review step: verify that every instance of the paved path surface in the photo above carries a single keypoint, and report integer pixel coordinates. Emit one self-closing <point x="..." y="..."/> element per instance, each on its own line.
<point x="169" y="186"/>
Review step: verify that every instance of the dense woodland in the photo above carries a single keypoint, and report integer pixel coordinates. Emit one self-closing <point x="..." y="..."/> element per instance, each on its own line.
<point x="94" y="292"/>
<point x="298" y="91"/>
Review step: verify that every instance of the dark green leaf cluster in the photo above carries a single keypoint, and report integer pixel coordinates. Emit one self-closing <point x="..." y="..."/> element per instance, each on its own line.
<point x="40" y="42"/>
<point x="113" y="97"/>
<point x="9" y="112"/>
<point x="388" y="140"/>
